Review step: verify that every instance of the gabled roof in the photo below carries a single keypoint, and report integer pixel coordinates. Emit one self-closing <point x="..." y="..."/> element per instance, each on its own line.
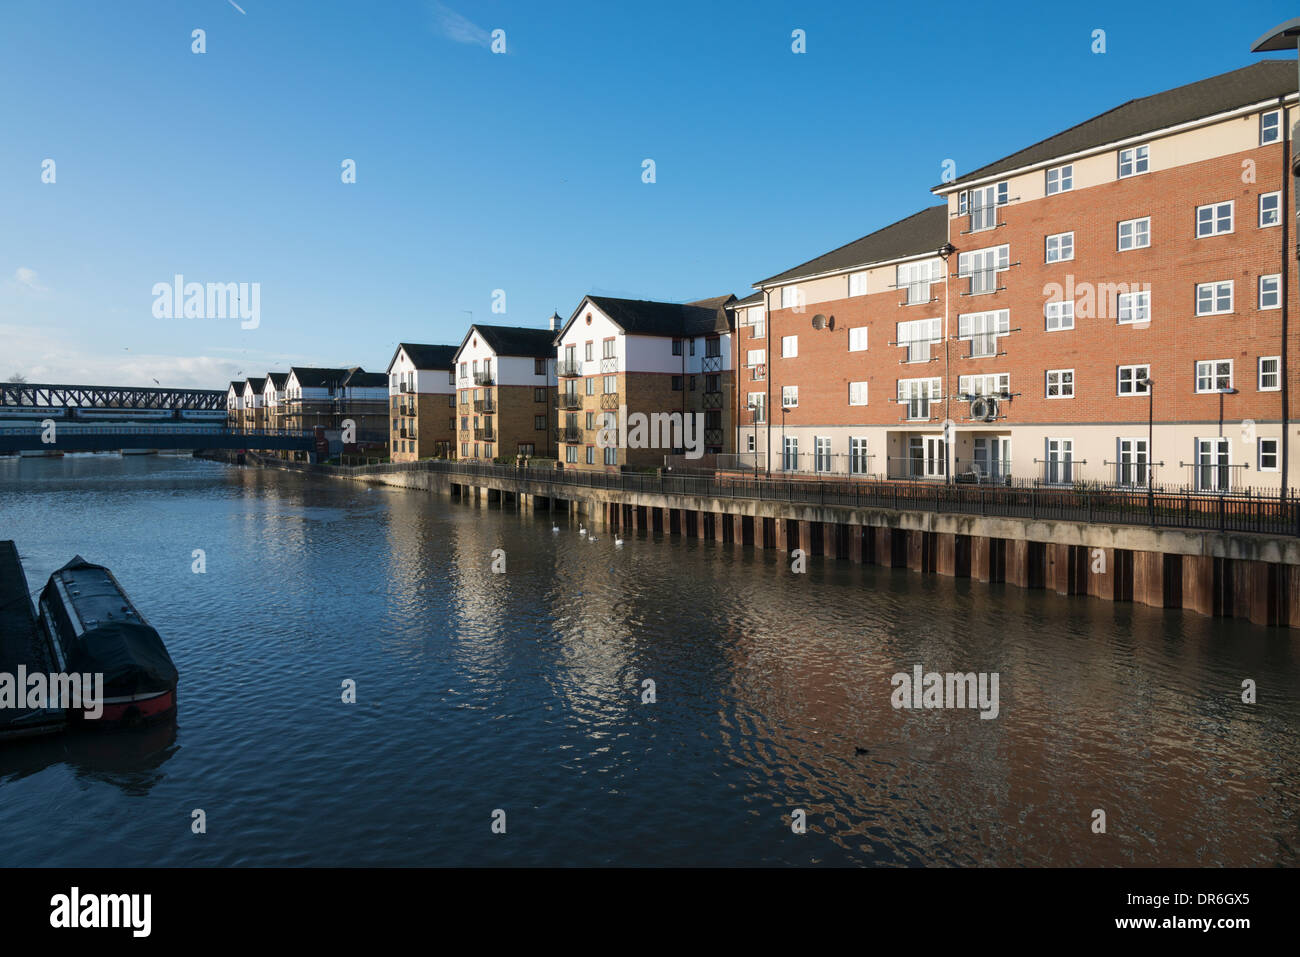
<point x="425" y="357"/>
<point x="1265" y="80"/>
<point x="920" y="233"/>
<point x="647" y="317"/>
<point x="237" y="385"/>
<point x="753" y="299"/>
<point x="514" y="341"/>
<point x="311" y="377"/>
<point x="255" y="384"/>
<point x="278" y="379"/>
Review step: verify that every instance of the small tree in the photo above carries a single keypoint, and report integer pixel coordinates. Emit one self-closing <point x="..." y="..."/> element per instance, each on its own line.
<point x="18" y="378"/>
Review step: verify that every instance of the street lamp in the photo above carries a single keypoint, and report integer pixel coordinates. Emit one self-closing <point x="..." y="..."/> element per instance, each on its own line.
<point x="1284" y="36"/>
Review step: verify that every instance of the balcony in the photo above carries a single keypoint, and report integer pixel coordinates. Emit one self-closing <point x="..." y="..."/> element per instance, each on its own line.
<point x="568" y="433"/>
<point x="485" y="405"/>
<point x="609" y="401"/>
<point x="568" y="368"/>
<point x="484" y="378"/>
<point x="711" y="364"/>
<point x="485" y="435"/>
<point x="713" y="399"/>
<point x="405" y="387"/>
<point x="570" y="401"/>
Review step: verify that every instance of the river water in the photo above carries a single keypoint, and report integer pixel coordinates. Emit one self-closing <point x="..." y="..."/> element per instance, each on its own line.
<point x="523" y="693"/>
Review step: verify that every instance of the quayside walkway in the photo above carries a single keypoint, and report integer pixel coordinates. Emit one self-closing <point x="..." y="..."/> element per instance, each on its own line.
<point x="1228" y="555"/>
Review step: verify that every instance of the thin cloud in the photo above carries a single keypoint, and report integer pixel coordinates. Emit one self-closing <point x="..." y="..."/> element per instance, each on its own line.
<point x="26" y="278"/>
<point x="236" y="6"/>
<point x="457" y="28"/>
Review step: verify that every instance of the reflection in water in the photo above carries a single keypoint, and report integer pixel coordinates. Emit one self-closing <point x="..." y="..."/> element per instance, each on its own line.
<point x="130" y="759"/>
<point x="522" y="691"/>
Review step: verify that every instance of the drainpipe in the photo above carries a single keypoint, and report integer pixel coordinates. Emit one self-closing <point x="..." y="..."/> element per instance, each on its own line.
<point x="767" y="358"/>
<point x="1285" y="213"/>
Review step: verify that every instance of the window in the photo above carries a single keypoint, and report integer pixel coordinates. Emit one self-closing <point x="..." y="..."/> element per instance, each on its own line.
<point x="1133" y="161"/>
<point x="858" y="339"/>
<point x="691" y="383"/>
<point x="677" y="383"/>
<point x="1270" y="127"/>
<point x="1270" y="373"/>
<point x="982" y="330"/>
<point x="1268" y="455"/>
<point x="758" y="405"/>
<point x="464" y="366"/>
<point x="1213" y="466"/>
<point x="857" y="393"/>
<point x="982" y="266"/>
<point x="1213" y="298"/>
<point x="571" y="454"/>
<point x="1134" y="307"/>
<point x="789" y="347"/>
<point x="692" y="342"/>
<point x="859" y="462"/>
<point x="1270" y="292"/>
<point x="451" y="400"/>
<point x="591" y="386"/>
<point x="1213" y="220"/>
<point x="588" y="351"/>
<point x="1060" y="247"/>
<point x="677" y="347"/>
<point x="1135" y="233"/>
<point x="789" y="396"/>
<point x="917" y="277"/>
<point x="1060" y="383"/>
<point x="1060" y="315"/>
<point x="758" y="320"/>
<point x="1060" y="179"/>
<point x="1060" y="461"/>
<point x="611" y="384"/>
<point x="750" y="445"/>
<point x="790" y="297"/>
<point x="918" y="335"/>
<point x="1133" y="380"/>
<point x="539" y="367"/>
<point x="982" y="204"/>
<point x="821" y="453"/>
<point x="992" y="383"/>
<point x="591" y="455"/>
<point x="917" y="394"/>
<point x="1131" y="469"/>
<point x="712" y="347"/>
<point x="1214" y="375"/>
<point x="539" y="395"/>
<point x="790" y="453"/>
<point x="1270" y="209"/>
<point x="857" y="284"/>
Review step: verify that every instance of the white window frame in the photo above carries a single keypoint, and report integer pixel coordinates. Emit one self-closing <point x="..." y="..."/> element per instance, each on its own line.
<point x="918" y="394"/>
<point x="1215" y="296"/>
<point x="1276" y="453"/>
<point x="790" y="453"/>
<point x="789" y="397"/>
<point x="1133" y="379"/>
<point x="917" y="278"/>
<point x="1135" y="233"/>
<point x="1276" y="203"/>
<point x="757" y="402"/>
<point x="985" y="383"/>
<point x="1063" y="318"/>
<point x="987" y="262"/>
<point x="822" y="453"/>
<point x="791" y="297"/>
<point x="1212" y="374"/>
<point x="1265" y="127"/>
<point x="789" y="347"/>
<point x="918" y="335"/>
<point x="861" y="389"/>
<point x="1276" y="279"/>
<point x="982" y="330"/>
<point x="1134" y="156"/>
<point x="859" y="461"/>
<point x="1276" y="373"/>
<point x="1063" y="182"/>
<point x="1215" y="219"/>
<point x="1064" y="381"/>
<point x="1220" y="449"/>
<point x="857" y="284"/>
<point x="1063" y="242"/>
<point x="1060" y="461"/>
<point x="858" y="339"/>
<point x="1137" y="305"/>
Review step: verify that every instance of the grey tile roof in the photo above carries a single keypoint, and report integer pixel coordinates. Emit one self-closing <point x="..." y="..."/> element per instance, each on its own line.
<point x="753" y="299"/>
<point x="922" y="232"/>
<point x="310" y="377"/>
<point x="647" y="317"/>
<point x="515" y="340"/>
<point x="1256" y="83"/>
<point x="426" y="356"/>
<point x="278" y="379"/>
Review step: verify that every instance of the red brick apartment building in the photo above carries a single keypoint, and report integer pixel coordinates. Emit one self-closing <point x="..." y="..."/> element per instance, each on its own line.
<point x="1104" y="306"/>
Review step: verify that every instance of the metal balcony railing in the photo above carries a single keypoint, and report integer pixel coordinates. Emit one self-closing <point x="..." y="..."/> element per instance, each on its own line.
<point x="570" y="400"/>
<point x="485" y="405"/>
<point x="485" y="435"/>
<point x="568" y="368"/>
<point x="483" y="378"/>
<point x="609" y="401"/>
<point x="713" y="400"/>
<point x="568" y="433"/>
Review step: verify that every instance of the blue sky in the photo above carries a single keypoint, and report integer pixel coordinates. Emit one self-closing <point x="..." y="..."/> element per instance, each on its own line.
<point x="479" y="171"/>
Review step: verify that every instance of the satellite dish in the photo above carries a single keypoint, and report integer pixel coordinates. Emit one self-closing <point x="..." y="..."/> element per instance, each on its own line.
<point x="819" y="321"/>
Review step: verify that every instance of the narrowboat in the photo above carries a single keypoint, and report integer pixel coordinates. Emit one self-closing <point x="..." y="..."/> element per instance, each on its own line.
<point x="93" y="628"/>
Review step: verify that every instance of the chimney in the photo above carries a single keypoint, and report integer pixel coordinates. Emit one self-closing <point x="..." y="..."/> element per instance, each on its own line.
<point x="555" y="319"/>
